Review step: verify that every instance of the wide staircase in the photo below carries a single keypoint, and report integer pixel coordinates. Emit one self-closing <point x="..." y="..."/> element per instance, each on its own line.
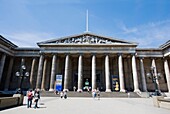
<point x="89" y="94"/>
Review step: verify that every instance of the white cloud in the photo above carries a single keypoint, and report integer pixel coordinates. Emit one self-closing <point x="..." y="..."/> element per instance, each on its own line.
<point x="125" y="29"/>
<point x="148" y="35"/>
<point x="27" y="39"/>
<point x="151" y="35"/>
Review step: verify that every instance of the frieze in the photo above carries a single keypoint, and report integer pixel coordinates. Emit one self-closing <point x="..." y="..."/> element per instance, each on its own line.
<point x="87" y="39"/>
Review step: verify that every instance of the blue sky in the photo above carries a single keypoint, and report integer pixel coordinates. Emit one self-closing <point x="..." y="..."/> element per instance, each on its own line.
<point x="26" y="22"/>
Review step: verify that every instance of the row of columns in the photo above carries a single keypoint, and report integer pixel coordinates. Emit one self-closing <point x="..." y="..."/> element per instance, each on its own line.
<point x="107" y="73"/>
<point x="43" y="64"/>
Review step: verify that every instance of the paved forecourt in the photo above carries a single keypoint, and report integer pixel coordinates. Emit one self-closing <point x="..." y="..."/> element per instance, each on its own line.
<point x="51" y="105"/>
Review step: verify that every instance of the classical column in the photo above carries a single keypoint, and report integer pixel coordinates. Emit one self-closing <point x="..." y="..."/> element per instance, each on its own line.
<point x="121" y="76"/>
<point x="66" y="75"/>
<point x="135" y="77"/>
<point x="39" y="74"/>
<point x="143" y="75"/>
<point x="107" y="73"/>
<point x="80" y="73"/>
<point x="93" y="72"/>
<point x="44" y="75"/>
<point x="32" y="73"/>
<point x="7" y="80"/>
<point x="2" y="63"/>
<point x="53" y="73"/>
<point x="155" y="71"/>
<point x="167" y="73"/>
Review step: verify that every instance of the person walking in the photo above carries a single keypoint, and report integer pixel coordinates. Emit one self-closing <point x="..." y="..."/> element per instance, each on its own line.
<point x="29" y="100"/>
<point x="65" y="94"/>
<point x="94" y="94"/>
<point x="61" y="94"/>
<point x="36" y="98"/>
<point x="98" y="94"/>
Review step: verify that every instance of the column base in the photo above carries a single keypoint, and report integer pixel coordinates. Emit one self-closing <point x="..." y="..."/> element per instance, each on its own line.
<point x="65" y="90"/>
<point x="80" y="90"/>
<point x="43" y="90"/>
<point x="145" y="91"/>
<point x="51" y="89"/>
<point x="167" y="94"/>
<point x="38" y="89"/>
<point x="137" y="91"/>
<point x="108" y="90"/>
<point x="123" y="90"/>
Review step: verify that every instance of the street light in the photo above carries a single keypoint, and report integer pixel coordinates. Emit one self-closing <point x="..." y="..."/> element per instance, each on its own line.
<point x="154" y="77"/>
<point x="22" y="74"/>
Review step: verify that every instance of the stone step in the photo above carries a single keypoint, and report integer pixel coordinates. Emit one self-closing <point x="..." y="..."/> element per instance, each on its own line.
<point x="89" y="94"/>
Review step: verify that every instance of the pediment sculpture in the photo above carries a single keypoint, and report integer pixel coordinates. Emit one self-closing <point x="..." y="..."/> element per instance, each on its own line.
<point x="87" y="39"/>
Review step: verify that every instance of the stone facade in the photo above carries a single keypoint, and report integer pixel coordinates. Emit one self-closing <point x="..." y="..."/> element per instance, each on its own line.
<point x="106" y="63"/>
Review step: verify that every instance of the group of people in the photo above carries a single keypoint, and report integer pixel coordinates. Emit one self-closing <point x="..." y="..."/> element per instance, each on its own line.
<point x="63" y="94"/>
<point x="33" y="96"/>
<point x="96" y="93"/>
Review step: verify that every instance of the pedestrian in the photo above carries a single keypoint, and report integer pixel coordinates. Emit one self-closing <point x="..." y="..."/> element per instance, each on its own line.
<point x="30" y="97"/>
<point x="65" y="94"/>
<point x="94" y="94"/>
<point x="56" y="92"/>
<point x="88" y="89"/>
<point x="61" y="94"/>
<point x="98" y="94"/>
<point x="36" y="98"/>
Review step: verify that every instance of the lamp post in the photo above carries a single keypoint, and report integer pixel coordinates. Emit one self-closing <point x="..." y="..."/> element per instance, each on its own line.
<point x="22" y="74"/>
<point x="154" y="77"/>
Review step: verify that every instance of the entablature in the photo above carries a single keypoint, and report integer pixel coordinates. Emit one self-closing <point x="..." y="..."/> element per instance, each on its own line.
<point x="28" y="52"/>
<point x="149" y="52"/>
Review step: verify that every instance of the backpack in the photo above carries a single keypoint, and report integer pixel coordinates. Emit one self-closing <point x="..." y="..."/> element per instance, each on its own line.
<point x="29" y="95"/>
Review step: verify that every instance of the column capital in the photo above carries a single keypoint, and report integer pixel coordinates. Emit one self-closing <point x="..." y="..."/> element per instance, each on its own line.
<point x="41" y="53"/>
<point x="120" y="54"/>
<point x="154" y="58"/>
<point x="54" y="54"/>
<point x="80" y="54"/>
<point x="141" y="58"/>
<point x="165" y="58"/>
<point x="93" y="53"/>
<point x="133" y="54"/>
<point x="106" y="53"/>
<point x="66" y="54"/>
<point x="34" y="58"/>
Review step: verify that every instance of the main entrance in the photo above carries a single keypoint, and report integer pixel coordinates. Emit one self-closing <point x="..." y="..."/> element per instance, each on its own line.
<point x="87" y="80"/>
<point x="86" y="84"/>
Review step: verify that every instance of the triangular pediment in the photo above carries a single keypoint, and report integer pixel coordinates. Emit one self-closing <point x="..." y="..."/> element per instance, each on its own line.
<point x="86" y="38"/>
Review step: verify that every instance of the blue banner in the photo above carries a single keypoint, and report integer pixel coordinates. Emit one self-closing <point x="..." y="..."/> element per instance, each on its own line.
<point x="58" y="82"/>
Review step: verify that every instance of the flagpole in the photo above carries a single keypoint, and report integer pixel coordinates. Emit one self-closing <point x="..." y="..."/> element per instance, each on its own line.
<point x="87" y="22"/>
